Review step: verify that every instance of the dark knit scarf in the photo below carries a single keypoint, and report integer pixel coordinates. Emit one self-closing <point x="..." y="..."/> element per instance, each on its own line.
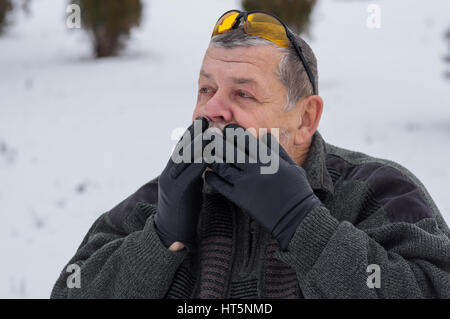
<point x="205" y="273"/>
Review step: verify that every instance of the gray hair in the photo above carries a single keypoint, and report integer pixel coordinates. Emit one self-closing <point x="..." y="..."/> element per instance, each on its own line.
<point x="290" y="69"/>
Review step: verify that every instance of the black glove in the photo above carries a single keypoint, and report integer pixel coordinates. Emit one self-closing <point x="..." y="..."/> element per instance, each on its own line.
<point x="180" y="189"/>
<point x="278" y="201"/>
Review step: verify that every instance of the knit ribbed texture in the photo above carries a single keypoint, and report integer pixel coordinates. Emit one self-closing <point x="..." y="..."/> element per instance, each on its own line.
<point x="149" y="260"/>
<point x="216" y="247"/>
<point x="244" y="289"/>
<point x="309" y="240"/>
<point x="183" y="283"/>
<point x="215" y="264"/>
<point x="280" y="279"/>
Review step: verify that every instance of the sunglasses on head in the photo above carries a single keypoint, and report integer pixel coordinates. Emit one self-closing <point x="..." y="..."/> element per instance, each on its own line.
<point x="264" y="25"/>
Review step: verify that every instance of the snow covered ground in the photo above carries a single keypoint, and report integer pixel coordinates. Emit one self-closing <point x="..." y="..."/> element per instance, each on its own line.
<point x="77" y="135"/>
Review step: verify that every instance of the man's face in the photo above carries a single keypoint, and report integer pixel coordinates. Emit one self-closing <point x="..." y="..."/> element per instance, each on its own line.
<point x="240" y="85"/>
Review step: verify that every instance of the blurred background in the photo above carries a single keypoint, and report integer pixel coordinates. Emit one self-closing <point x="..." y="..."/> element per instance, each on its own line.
<point x="87" y="114"/>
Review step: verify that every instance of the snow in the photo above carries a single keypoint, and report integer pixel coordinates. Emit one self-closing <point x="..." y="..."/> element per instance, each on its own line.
<point x="78" y="135"/>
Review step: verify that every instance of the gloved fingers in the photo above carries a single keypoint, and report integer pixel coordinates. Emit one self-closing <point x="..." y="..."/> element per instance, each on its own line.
<point x="243" y="139"/>
<point x="227" y="152"/>
<point x="255" y="148"/>
<point x="246" y="145"/>
<point x="198" y="127"/>
<point x="163" y="234"/>
<point x="275" y="148"/>
<point x="215" y="147"/>
<point x="218" y="183"/>
<point x="226" y="171"/>
<point x="191" y="153"/>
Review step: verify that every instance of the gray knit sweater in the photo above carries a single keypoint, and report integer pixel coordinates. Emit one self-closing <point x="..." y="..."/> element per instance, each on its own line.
<point x="374" y="212"/>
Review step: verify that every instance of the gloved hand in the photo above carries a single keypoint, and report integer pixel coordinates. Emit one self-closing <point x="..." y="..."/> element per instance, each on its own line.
<point x="278" y="201"/>
<point x="180" y="188"/>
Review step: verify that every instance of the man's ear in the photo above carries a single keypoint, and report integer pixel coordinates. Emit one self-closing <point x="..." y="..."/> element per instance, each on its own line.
<point x="310" y="111"/>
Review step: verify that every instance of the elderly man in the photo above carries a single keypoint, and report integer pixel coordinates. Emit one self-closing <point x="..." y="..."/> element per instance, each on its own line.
<point x="327" y="223"/>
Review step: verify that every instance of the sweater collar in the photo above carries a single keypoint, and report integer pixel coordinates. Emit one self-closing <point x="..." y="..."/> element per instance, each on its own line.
<point x="315" y="165"/>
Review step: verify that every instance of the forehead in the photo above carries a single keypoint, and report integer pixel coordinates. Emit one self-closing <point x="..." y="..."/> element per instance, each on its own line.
<point x="260" y="62"/>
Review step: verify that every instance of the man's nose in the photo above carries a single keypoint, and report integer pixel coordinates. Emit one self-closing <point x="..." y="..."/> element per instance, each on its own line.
<point x="218" y="109"/>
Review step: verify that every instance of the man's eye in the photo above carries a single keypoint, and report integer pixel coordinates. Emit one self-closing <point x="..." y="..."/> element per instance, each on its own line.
<point x="205" y="90"/>
<point x="244" y="95"/>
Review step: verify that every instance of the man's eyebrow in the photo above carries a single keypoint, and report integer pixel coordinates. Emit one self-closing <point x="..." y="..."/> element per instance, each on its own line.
<point x="244" y="81"/>
<point x="233" y="79"/>
<point x="206" y="75"/>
